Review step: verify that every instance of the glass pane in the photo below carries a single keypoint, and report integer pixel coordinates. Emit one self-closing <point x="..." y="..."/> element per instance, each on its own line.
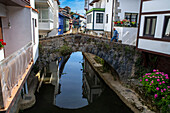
<point x="153" y="26"/>
<point x="167" y="31"/>
<point x="44" y="14"/>
<point x="148" y="22"/>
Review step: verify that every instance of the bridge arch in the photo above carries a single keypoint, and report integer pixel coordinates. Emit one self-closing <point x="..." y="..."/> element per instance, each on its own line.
<point x="121" y="57"/>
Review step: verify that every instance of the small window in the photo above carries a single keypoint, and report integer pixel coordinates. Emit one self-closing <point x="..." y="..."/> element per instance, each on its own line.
<point x="106" y="18"/>
<point x="107" y="0"/>
<point x="89" y="18"/>
<point x="35" y="22"/>
<point x="150" y="25"/>
<point x="132" y="17"/>
<point x="99" y="18"/>
<point x="166" y="31"/>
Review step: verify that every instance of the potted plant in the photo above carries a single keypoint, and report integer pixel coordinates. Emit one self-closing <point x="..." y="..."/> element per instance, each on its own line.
<point x="2" y="43"/>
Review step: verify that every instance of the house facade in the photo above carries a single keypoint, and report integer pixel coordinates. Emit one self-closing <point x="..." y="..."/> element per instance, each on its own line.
<point x="154" y="31"/>
<point x="48" y="17"/>
<point x="101" y="15"/>
<point x="19" y="30"/>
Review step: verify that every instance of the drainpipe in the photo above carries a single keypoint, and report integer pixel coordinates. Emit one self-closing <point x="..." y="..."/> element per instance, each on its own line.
<point x="113" y="15"/>
<point x="112" y="19"/>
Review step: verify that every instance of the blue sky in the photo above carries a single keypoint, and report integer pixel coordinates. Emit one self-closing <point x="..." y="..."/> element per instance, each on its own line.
<point x="75" y="5"/>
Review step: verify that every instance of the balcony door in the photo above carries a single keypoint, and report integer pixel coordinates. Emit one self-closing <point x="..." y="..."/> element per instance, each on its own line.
<point x="1" y="35"/>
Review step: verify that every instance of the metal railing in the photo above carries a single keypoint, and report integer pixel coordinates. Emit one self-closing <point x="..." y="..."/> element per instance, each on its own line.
<point x="12" y="69"/>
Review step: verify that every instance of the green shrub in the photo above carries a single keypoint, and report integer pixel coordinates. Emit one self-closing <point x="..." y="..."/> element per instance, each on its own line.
<point x="157" y="86"/>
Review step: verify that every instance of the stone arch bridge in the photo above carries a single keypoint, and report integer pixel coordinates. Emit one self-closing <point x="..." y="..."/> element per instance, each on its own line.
<point x="121" y="57"/>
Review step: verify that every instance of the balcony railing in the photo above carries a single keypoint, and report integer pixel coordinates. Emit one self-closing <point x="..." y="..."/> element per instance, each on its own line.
<point x="12" y="70"/>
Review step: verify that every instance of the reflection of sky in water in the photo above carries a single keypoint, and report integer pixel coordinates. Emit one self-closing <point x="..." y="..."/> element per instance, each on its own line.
<point x="71" y="84"/>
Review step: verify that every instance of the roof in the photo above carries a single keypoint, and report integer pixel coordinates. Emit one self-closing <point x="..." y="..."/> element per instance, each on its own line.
<point x="79" y="15"/>
<point x="67" y="7"/>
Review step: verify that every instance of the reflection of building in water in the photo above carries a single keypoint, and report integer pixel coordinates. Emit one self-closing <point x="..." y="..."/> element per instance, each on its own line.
<point x="92" y="86"/>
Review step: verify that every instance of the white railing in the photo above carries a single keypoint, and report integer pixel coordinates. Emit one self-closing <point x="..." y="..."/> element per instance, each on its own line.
<point x="12" y="69"/>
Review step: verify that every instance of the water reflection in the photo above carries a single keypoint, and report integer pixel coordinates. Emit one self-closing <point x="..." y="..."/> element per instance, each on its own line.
<point x="92" y="86"/>
<point x="71" y="95"/>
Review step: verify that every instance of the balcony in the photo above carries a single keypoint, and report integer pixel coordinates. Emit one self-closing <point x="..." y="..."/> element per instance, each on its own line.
<point x="13" y="73"/>
<point x="15" y="2"/>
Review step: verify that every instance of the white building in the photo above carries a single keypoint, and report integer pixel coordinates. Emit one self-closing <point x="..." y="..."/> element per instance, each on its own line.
<point x="100" y="17"/>
<point x="48" y="17"/>
<point x="154" y="29"/>
<point x="19" y="29"/>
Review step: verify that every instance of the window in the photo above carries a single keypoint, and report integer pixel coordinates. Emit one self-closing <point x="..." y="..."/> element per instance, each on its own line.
<point x="99" y="18"/>
<point x="150" y="25"/>
<point x="106" y="18"/>
<point x="35" y="22"/>
<point x="132" y="17"/>
<point x="89" y="18"/>
<point x="166" y="31"/>
<point x="107" y="0"/>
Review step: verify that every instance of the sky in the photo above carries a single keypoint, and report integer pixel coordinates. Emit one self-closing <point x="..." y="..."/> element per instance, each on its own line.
<point x="75" y="5"/>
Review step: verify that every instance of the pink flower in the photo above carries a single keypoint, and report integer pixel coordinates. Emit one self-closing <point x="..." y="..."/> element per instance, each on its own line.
<point x="146" y="79"/>
<point x="146" y="74"/>
<point x="157" y="88"/>
<point x="163" y="82"/>
<point x="163" y="97"/>
<point x="158" y="76"/>
<point x="164" y="89"/>
<point x="143" y="76"/>
<point x="162" y="79"/>
<point x="150" y="84"/>
<point x="157" y="73"/>
<point x="152" y="81"/>
<point x="166" y="75"/>
<point x="167" y="78"/>
<point x="141" y="80"/>
<point x="158" y="80"/>
<point x="160" y="83"/>
<point x="154" y="70"/>
<point x="156" y="95"/>
<point x="155" y="77"/>
<point x="168" y="86"/>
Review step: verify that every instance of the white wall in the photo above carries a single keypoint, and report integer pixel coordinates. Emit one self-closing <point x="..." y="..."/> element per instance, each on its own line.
<point x="1" y="54"/>
<point x="157" y="46"/>
<point x="156" y="5"/>
<point x="128" y="35"/>
<point x="108" y="10"/>
<point x="129" y="6"/>
<point x="34" y="15"/>
<point x="20" y="33"/>
<point x="90" y="25"/>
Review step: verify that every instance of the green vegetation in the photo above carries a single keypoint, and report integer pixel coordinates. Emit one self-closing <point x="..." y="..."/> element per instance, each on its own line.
<point x="105" y="67"/>
<point x="157" y="85"/>
<point x="65" y="50"/>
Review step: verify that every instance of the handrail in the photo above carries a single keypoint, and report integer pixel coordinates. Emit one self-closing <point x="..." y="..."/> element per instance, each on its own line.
<point x="12" y="69"/>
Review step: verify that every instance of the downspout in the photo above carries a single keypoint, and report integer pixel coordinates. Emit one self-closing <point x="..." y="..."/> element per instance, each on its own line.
<point x="113" y="10"/>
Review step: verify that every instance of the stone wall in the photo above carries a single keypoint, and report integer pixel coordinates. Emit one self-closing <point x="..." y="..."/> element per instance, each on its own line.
<point x="121" y="57"/>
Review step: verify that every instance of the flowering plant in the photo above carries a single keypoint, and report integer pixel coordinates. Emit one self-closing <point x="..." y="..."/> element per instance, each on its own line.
<point x="2" y="43"/>
<point x="157" y="85"/>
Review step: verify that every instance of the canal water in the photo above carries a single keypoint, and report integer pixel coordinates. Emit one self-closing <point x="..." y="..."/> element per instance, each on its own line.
<point x="81" y="91"/>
